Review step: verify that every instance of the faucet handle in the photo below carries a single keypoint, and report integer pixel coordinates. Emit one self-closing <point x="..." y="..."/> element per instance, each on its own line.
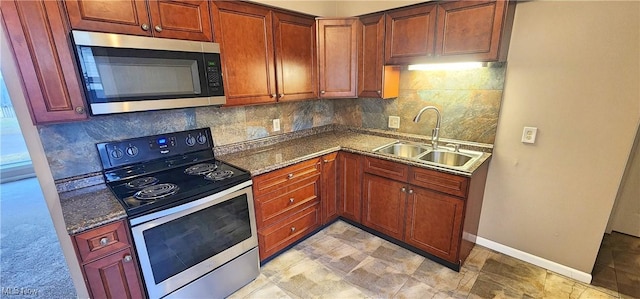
<point x="456" y="147"/>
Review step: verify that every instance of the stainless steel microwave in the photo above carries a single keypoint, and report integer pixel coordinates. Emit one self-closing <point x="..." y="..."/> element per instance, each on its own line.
<point x="125" y="73"/>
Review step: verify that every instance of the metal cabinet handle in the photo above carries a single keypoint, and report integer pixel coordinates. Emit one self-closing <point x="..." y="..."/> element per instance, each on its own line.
<point x="403" y="189"/>
<point x="273" y="95"/>
<point x="290" y="175"/>
<point x="379" y="92"/>
<point x="104" y="241"/>
<point x="158" y="28"/>
<point x="281" y="95"/>
<point x="410" y="191"/>
<point x="293" y="229"/>
<point x="80" y="110"/>
<point x="145" y="27"/>
<point x="322" y="92"/>
<point x="127" y="258"/>
<point x="326" y="161"/>
<point x="291" y="200"/>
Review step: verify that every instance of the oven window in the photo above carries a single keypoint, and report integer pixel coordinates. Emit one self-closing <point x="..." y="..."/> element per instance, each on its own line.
<point x="179" y="244"/>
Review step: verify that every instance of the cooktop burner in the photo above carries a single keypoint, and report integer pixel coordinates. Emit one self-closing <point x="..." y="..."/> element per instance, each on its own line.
<point x="219" y="175"/>
<point x="142" y="182"/>
<point x="199" y="169"/>
<point x="153" y="173"/>
<point x="156" y="192"/>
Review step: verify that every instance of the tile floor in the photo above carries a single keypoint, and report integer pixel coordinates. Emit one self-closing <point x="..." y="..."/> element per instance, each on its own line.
<point x="618" y="264"/>
<point x="343" y="261"/>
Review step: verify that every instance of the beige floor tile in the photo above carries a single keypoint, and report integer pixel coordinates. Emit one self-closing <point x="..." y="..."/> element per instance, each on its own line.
<point x="320" y="247"/>
<point x="376" y="278"/>
<point x="342" y="259"/>
<point x="456" y="284"/>
<point x="628" y="283"/>
<point x="490" y="285"/>
<point x="270" y="291"/>
<point x="558" y="286"/>
<point x="517" y="274"/>
<point x="604" y="276"/>
<point x="413" y="289"/>
<point x="282" y="262"/>
<point x="402" y="259"/>
<point x="478" y="256"/>
<point x="258" y="283"/>
<point x="626" y="261"/>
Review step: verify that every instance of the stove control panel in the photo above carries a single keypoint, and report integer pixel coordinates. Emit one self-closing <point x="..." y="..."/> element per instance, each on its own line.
<point x="143" y="149"/>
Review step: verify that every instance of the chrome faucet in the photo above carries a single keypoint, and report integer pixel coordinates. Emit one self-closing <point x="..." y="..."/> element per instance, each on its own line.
<point x="436" y="130"/>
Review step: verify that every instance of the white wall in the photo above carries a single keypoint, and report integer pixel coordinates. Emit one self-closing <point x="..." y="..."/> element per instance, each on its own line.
<point x="573" y="71"/>
<point x="337" y="8"/>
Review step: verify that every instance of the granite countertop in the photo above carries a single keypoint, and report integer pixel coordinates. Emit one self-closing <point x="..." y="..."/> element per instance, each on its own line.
<point x="90" y="207"/>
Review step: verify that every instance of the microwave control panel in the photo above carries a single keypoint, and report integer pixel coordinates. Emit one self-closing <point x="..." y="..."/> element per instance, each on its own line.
<point x="214" y="74"/>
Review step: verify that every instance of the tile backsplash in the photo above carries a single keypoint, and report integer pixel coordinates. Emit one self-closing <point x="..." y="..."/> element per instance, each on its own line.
<point x="468" y="100"/>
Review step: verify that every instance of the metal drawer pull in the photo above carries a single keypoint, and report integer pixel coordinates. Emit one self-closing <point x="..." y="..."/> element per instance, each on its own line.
<point x="104" y="241"/>
<point x="293" y="229"/>
<point x="145" y="27"/>
<point x="326" y="161"/>
<point x="403" y="189"/>
<point x="410" y="191"/>
<point x="158" y="28"/>
<point x="291" y="200"/>
<point x="290" y="175"/>
<point x="127" y="258"/>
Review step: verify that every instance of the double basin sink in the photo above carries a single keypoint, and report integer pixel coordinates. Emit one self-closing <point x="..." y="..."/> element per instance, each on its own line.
<point x="443" y="156"/>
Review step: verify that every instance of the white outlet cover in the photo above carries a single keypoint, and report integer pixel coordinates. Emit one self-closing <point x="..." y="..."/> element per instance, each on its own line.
<point x="394" y="122"/>
<point x="276" y="125"/>
<point x="529" y="134"/>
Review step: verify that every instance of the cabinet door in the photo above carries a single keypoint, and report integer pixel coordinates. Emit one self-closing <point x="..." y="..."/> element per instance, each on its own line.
<point x="114" y="276"/>
<point x="410" y="34"/>
<point x="246" y="44"/>
<point x="349" y="186"/>
<point x="434" y="223"/>
<point x="295" y="53"/>
<point x="126" y="16"/>
<point x="375" y="80"/>
<point x="40" y="41"/>
<point x="181" y="19"/>
<point x="337" y="50"/>
<point x="329" y="187"/>
<point x="470" y="30"/>
<point x="384" y="204"/>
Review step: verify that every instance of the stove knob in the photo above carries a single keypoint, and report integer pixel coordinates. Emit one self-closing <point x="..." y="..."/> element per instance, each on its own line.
<point x="202" y="139"/>
<point x="132" y="151"/>
<point x="116" y="153"/>
<point x="191" y="141"/>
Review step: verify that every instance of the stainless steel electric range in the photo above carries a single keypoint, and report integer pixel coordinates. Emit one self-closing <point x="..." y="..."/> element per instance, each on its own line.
<point x="191" y="216"/>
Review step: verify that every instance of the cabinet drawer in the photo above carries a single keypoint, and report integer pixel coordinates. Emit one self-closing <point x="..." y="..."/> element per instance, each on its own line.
<point x="439" y="181"/>
<point x="387" y="169"/>
<point x="272" y="207"/>
<point x="281" y="235"/>
<point x="102" y="241"/>
<point x="271" y="181"/>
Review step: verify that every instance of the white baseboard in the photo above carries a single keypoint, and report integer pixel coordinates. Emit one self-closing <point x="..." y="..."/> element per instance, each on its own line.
<point x="536" y="260"/>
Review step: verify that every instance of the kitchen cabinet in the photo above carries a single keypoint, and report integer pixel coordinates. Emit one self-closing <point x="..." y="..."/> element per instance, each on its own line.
<point x="38" y="33"/>
<point x="350" y="186"/>
<point x="179" y="19"/>
<point x="329" y="187"/>
<point x="337" y="56"/>
<point x="108" y="263"/>
<point x="410" y="34"/>
<point x="287" y="205"/>
<point x="433" y="211"/>
<point x="268" y="56"/>
<point x="449" y="31"/>
<point x="375" y="80"/>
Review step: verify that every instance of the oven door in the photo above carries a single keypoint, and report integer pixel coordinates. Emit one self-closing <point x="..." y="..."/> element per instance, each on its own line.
<point x="178" y="245"/>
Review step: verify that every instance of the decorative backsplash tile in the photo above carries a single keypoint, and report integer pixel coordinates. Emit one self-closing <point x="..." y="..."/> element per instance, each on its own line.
<point x="469" y="102"/>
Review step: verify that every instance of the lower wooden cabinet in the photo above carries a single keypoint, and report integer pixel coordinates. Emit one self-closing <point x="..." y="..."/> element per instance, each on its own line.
<point x="329" y="187"/>
<point x="280" y="235"/>
<point x="114" y="276"/>
<point x="350" y="186"/>
<point x="384" y="203"/>
<point x="109" y="264"/>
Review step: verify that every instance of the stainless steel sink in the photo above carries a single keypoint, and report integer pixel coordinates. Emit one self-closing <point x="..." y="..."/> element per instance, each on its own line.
<point x="401" y="149"/>
<point x="446" y="158"/>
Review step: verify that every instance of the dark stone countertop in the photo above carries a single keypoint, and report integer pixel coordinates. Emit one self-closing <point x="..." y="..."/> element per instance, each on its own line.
<point x="90" y="207"/>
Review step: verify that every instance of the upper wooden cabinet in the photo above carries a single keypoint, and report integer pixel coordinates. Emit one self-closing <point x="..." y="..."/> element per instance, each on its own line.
<point x="375" y="80"/>
<point x="410" y="34"/>
<point x="267" y="56"/>
<point x="337" y="56"/>
<point x="449" y="31"/>
<point x="180" y="19"/>
<point x="38" y="33"/>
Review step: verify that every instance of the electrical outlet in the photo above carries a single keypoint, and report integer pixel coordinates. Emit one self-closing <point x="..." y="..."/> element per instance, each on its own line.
<point x="276" y="125"/>
<point x="394" y="122"/>
<point x="529" y="134"/>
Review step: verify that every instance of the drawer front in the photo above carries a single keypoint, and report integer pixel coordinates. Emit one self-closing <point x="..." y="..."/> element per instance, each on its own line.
<point x="387" y="169"/>
<point x="102" y="241"/>
<point x="281" y="235"/>
<point x="274" y="180"/>
<point x="439" y="181"/>
<point x="275" y="206"/>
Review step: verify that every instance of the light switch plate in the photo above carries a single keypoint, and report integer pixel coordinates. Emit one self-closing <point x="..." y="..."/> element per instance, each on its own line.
<point x="394" y="122"/>
<point x="276" y="125"/>
<point x="529" y="134"/>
